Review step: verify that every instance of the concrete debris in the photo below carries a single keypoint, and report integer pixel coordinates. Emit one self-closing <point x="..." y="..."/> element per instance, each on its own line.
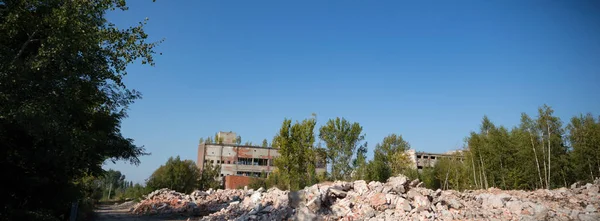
<point x="166" y="201"/>
<point x="397" y="199"/>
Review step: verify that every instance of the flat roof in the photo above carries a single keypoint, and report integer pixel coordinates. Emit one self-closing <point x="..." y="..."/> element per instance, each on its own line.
<point x="242" y="146"/>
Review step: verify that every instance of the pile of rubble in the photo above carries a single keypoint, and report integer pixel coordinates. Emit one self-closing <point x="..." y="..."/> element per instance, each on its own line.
<point x="166" y="201"/>
<point x="402" y="199"/>
<point x="397" y="199"/>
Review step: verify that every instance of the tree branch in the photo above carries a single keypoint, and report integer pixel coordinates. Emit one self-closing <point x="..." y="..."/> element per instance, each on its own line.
<point x="29" y="40"/>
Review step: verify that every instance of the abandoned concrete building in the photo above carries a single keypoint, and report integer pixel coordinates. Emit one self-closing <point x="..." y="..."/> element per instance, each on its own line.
<point x="239" y="160"/>
<point x="422" y="160"/>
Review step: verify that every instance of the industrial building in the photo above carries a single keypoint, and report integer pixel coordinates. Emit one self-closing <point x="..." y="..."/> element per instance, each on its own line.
<point x="422" y="160"/>
<point x="239" y="160"/>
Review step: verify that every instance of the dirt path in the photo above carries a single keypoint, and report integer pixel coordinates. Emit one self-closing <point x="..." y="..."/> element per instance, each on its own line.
<point x="107" y="213"/>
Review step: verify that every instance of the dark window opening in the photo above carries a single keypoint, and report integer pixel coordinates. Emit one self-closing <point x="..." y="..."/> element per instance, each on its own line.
<point x="262" y="162"/>
<point x="245" y="161"/>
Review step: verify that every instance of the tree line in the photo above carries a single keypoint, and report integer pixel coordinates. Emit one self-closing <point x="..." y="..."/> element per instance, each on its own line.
<point x="538" y="153"/>
<point x="344" y="153"/>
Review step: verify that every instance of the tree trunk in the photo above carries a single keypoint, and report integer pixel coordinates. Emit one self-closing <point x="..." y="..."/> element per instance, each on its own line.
<point x="446" y="180"/>
<point x="537" y="162"/>
<point x="474" y="173"/>
<point x="590" y="166"/>
<point x="545" y="167"/>
<point x="109" y="191"/>
<point x="598" y="165"/>
<point x="564" y="178"/>
<point x="483" y="170"/>
<point x="457" y="178"/>
<point x="481" y="182"/>
<point x="502" y="173"/>
<point x="548" y="126"/>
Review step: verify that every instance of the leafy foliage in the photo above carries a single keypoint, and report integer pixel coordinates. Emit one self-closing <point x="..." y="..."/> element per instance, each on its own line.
<point x="342" y="138"/>
<point x="62" y="99"/>
<point x="389" y="158"/>
<point x="532" y="155"/>
<point x="296" y="163"/>
<point x="179" y="175"/>
<point x="209" y="177"/>
<point x="360" y="164"/>
<point x="113" y="182"/>
<point x="584" y="136"/>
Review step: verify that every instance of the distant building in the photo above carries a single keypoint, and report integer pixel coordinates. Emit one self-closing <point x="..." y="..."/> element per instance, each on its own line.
<point x="421" y="160"/>
<point x="240" y="160"/>
<point x="226" y="137"/>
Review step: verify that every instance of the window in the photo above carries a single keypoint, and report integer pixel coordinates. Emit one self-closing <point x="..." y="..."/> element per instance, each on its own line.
<point x="245" y="161"/>
<point x="228" y="162"/>
<point x="262" y="162"/>
<point x="221" y="175"/>
<point x="218" y="162"/>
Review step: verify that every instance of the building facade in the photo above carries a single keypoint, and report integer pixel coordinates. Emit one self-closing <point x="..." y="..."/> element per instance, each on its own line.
<point x="422" y="160"/>
<point x="237" y="159"/>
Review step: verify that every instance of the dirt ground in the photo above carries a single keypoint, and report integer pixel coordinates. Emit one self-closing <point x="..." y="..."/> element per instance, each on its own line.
<point x="107" y="213"/>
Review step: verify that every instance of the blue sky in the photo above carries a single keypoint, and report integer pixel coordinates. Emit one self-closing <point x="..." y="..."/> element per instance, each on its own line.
<point x="426" y="70"/>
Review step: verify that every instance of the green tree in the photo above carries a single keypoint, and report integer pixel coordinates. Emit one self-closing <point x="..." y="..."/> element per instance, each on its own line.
<point x="265" y="143"/>
<point x="497" y="157"/>
<point x="238" y="140"/>
<point x="527" y="136"/>
<point x="342" y="138"/>
<point x="209" y="140"/>
<point x="176" y="174"/>
<point x="555" y="150"/>
<point x="296" y="161"/>
<point x="112" y="182"/>
<point x="448" y="173"/>
<point x="210" y="177"/>
<point x="389" y="158"/>
<point x="136" y="192"/>
<point x="584" y="136"/>
<point x="63" y="99"/>
<point x="360" y="164"/>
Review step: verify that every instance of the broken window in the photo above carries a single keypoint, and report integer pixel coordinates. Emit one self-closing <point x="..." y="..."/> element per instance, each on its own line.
<point x="262" y="162"/>
<point x="245" y="161"/>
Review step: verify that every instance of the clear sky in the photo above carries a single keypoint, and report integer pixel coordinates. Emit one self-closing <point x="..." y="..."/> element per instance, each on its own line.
<point x="428" y="70"/>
